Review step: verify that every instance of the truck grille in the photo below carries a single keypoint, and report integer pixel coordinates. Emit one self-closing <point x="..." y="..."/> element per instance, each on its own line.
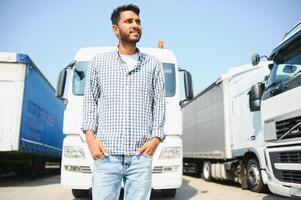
<point x="285" y="125"/>
<point x="289" y="157"/>
<point x="289" y="176"/>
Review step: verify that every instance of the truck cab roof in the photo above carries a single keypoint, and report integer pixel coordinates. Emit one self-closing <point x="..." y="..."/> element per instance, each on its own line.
<point x="291" y="32"/>
<point x="291" y="36"/>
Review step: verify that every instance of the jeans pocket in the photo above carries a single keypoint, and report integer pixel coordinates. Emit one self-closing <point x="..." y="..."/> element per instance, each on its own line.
<point x="147" y="156"/>
<point x="99" y="163"/>
<point x="101" y="158"/>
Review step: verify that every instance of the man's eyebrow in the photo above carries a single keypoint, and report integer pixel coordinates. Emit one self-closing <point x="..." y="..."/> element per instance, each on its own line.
<point x="127" y="19"/>
<point x="132" y="19"/>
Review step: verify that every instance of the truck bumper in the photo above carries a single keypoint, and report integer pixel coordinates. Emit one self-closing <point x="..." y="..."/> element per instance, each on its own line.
<point x="283" y="190"/>
<point x="283" y="176"/>
<point x="168" y="180"/>
<point x="83" y="181"/>
<point x="76" y="180"/>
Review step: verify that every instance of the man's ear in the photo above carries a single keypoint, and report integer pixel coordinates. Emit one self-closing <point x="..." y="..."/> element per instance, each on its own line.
<point x="115" y="29"/>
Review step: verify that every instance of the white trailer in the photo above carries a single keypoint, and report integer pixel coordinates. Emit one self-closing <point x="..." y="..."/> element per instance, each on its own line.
<point x="222" y="137"/>
<point x="281" y="115"/>
<point x="77" y="163"/>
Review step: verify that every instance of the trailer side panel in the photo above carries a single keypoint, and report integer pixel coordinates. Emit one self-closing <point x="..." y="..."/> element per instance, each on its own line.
<point x="203" y="125"/>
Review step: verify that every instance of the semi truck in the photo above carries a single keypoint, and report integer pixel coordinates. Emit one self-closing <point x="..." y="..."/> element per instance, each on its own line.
<point x="31" y="117"/>
<point x="77" y="163"/>
<point x="222" y="135"/>
<point x="279" y="103"/>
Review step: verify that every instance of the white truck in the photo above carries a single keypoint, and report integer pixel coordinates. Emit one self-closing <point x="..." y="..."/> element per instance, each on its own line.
<point x="77" y="163"/>
<point x="222" y="136"/>
<point x="279" y="102"/>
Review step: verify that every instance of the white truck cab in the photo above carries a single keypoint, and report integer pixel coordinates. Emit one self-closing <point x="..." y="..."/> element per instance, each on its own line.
<point x="279" y="102"/>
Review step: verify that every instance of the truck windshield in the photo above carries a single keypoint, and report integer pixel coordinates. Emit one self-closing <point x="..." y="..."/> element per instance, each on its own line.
<point x="80" y="71"/>
<point x="287" y="65"/>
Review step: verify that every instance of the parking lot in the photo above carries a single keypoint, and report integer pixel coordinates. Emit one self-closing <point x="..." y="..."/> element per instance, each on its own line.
<point x="48" y="187"/>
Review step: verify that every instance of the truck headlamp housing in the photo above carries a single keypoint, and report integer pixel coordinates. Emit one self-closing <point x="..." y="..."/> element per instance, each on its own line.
<point x="170" y="153"/>
<point x="72" y="168"/>
<point x="74" y="152"/>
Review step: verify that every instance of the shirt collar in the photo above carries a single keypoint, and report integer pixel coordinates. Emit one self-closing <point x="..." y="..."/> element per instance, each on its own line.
<point x="141" y="56"/>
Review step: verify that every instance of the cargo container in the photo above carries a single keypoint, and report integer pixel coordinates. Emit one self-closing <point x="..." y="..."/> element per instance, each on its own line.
<point x="31" y="117"/>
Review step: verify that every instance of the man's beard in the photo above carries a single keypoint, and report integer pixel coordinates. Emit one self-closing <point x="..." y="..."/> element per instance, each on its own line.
<point x="126" y="38"/>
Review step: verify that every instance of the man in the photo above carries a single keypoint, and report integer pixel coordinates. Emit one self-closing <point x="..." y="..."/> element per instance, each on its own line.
<point x="124" y="112"/>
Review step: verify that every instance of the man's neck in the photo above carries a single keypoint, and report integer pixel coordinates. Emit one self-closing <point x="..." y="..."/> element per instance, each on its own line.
<point x="127" y="49"/>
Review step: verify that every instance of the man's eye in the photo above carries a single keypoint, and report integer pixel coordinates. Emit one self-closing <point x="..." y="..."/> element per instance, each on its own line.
<point x="129" y="21"/>
<point x="138" y="22"/>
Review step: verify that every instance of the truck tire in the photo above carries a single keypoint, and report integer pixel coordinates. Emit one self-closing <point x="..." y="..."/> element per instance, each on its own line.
<point x="254" y="178"/>
<point x="80" y="193"/>
<point x="206" y="172"/>
<point x="169" y="192"/>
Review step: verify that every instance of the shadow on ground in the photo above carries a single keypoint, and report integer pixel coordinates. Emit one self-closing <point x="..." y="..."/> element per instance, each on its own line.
<point x="275" y="197"/>
<point x="24" y="181"/>
<point x="269" y="195"/>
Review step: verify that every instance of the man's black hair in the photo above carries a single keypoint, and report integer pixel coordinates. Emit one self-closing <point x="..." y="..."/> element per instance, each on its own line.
<point x="116" y="12"/>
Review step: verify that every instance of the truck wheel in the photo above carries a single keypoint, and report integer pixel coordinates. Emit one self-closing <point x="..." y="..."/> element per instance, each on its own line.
<point x="206" y="173"/>
<point x="254" y="179"/>
<point x="169" y="192"/>
<point x="80" y="193"/>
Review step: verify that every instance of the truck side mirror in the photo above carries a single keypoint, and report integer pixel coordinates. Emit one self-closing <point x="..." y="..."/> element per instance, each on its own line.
<point x="188" y="85"/>
<point x="255" y="95"/>
<point x="60" y="87"/>
<point x="271" y="66"/>
<point x="255" y="59"/>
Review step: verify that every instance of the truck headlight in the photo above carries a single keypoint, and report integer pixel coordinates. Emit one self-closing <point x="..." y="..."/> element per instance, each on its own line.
<point x="74" y="152"/>
<point x="170" y="153"/>
<point x="72" y="168"/>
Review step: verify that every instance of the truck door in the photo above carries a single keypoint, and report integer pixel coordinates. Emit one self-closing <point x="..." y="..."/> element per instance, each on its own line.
<point x="246" y="124"/>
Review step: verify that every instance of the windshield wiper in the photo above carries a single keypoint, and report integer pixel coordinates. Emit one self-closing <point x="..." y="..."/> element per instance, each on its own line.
<point x="274" y="84"/>
<point x="289" y="131"/>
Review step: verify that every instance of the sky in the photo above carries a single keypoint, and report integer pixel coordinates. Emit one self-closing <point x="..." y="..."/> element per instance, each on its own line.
<point x="207" y="36"/>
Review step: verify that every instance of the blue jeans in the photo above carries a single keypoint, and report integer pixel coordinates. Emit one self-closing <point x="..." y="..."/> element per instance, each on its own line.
<point x="135" y="171"/>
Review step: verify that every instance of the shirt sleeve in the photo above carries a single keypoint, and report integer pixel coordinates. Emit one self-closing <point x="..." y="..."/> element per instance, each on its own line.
<point x="91" y="96"/>
<point x="159" y="103"/>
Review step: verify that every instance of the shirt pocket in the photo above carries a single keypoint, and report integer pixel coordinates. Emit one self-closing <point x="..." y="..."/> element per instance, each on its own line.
<point x="142" y="82"/>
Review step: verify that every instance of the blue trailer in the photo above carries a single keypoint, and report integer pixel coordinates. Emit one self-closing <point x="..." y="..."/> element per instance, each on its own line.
<point x="31" y="117"/>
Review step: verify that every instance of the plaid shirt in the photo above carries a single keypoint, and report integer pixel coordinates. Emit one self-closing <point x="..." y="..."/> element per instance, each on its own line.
<point x="124" y="108"/>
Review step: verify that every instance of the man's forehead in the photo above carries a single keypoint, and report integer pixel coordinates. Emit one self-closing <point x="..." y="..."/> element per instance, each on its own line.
<point x="128" y="14"/>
